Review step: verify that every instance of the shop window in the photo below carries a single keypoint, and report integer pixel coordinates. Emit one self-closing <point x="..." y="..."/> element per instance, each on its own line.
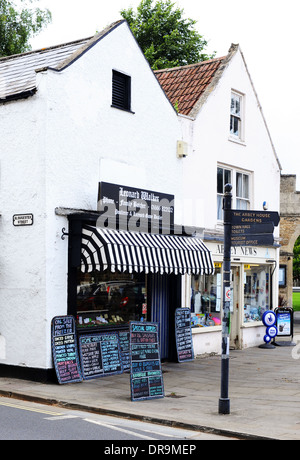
<point x="121" y="91"/>
<point x="109" y="299"/>
<point x="206" y="299"/>
<point x="256" y="292"/>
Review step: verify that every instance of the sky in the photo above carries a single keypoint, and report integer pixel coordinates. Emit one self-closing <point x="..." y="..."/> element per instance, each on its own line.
<point x="268" y="34"/>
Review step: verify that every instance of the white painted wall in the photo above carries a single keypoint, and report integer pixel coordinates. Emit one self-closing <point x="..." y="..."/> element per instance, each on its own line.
<point x="55" y="148"/>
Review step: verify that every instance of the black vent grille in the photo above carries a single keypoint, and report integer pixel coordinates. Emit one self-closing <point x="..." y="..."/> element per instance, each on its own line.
<point x="121" y="91"/>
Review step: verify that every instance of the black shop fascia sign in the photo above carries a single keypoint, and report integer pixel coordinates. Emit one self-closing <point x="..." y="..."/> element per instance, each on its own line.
<point x="134" y="209"/>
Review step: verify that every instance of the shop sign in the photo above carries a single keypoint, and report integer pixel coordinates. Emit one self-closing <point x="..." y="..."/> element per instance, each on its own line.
<point x="20" y="220"/>
<point x="285" y="321"/>
<point x="134" y="208"/>
<point x="146" y="379"/>
<point x="183" y="334"/>
<point x="64" y="349"/>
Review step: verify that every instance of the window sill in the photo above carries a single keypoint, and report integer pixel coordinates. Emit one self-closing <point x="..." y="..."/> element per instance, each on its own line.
<point x="252" y="324"/>
<point x="124" y="110"/>
<point x="201" y="330"/>
<point x="236" y="140"/>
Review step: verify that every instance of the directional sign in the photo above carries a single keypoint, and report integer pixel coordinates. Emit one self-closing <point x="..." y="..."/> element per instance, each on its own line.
<point x="241" y="217"/>
<point x="249" y="229"/>
<point x="263" y="239"/>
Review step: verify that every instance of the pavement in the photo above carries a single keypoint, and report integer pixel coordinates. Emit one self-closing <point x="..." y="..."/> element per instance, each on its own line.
<point x="264" y="393"/>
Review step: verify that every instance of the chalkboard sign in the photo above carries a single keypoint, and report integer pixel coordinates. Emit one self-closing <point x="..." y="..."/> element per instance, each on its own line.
<point x="183" y="333"/>
<point x="125" y="350"/>
<point x="100" y="355"/>
<point x="64" y="349"/>
<point x="146" y="378"/>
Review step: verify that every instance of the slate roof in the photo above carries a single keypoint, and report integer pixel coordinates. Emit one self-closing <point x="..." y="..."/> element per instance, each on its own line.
<point x="18" y="72"/>
<point x="185" y="85"/>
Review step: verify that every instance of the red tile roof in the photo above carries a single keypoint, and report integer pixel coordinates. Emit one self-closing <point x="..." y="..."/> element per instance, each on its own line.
<point x="185" y="85"/>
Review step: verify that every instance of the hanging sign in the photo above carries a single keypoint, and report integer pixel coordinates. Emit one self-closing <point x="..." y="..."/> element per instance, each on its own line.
<point x="146" y="380"/>
<point x="64" y="349"/>
<point x="183" y="334"/>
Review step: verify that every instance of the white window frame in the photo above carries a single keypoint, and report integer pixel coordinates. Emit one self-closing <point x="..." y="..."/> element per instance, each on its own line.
<point x="239" y="201"/>
<point x="237" y="116"/>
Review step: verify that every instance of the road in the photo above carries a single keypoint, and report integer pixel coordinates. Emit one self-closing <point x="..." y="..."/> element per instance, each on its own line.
<point x="22" y="420"/>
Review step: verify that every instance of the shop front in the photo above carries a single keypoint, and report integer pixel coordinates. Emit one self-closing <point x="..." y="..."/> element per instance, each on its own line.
<point x="253" y="291"/>
<point x="119" y="274"/>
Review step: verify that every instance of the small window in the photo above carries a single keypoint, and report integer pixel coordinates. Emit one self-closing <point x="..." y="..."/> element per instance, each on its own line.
<point x="121" y="91"/>
<point x="236" y="115"/>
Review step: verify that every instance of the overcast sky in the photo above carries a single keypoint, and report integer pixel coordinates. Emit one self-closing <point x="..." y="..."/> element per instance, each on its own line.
<point x="266" y="30"/>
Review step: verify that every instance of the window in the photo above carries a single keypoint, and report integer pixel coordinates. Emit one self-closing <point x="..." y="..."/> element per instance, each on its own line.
<point x="110" y="299"/>
<point x="206" y="299"/>
<point x="256" y="292"/>
<point x="223" y="178"/>
<point x="121" y="91"/>
<point x="242" y="191"/>
<point x="241" y="186"/>
<point x="236" y="115"/>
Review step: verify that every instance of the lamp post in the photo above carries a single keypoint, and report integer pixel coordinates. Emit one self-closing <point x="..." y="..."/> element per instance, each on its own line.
<point x="224" y="401"/>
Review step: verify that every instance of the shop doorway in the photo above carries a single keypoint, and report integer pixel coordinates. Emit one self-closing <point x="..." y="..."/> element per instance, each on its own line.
<point x="235" y="305"/>
<point x="165" y="297"/>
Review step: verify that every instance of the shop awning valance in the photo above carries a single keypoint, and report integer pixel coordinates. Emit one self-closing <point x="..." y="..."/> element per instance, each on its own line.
<point x="105" y="249"/>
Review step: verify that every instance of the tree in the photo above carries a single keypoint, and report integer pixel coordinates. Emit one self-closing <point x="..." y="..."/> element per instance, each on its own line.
<point x="18" y="25"/>
<point x="165" y="37"/>
<point x="296" y="262"/>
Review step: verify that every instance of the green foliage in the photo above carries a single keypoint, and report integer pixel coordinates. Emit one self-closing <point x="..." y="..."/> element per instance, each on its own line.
<point x="296" y="261"/>
<point x="165" y="37"/>
<point x="18" y="25"/>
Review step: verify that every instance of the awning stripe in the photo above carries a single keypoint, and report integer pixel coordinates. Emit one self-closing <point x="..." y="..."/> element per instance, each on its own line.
<point x="104" y="248"/>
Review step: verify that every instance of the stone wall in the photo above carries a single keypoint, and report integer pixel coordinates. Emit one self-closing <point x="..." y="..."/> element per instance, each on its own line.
<point x="289" y="231"/>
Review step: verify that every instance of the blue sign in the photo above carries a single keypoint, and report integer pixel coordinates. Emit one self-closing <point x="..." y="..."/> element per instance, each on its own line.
<point x="269" y="320"/>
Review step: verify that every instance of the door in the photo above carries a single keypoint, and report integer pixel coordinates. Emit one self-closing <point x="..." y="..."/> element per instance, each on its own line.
<point x="235" y="307"/>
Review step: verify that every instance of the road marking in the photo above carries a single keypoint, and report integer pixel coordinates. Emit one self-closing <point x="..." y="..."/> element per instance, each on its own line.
<point x="60" y="417"/>
<point x="116" y="428"/>
<point x="31" y="409"/>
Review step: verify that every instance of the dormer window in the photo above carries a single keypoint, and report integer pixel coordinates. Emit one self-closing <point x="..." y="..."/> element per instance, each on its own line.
<point x="121" y="91"/>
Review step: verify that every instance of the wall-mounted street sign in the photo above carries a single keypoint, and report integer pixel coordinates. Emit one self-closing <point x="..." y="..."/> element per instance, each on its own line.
<point x="20" y="220"/>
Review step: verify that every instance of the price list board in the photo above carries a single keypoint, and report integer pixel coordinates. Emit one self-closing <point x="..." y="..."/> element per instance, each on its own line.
<point x="125" y="349"/>
<point x="64" y="349"/>
<point x="100" y="355"/>
<point x="146" y="379"/>
<point x="183" y="334"/>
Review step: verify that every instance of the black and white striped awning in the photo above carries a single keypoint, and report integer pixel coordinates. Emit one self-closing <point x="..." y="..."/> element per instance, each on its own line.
<point x="122" y="251"/>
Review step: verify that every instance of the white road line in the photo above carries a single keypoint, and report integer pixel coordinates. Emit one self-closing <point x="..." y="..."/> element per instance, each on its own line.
<point x="116" y="428"/>
<point x="60" y="417"/>
<point x="30" y="409"/>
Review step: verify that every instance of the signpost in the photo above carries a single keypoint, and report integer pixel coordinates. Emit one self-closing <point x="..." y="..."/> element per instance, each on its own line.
<point x="241" y="228"/>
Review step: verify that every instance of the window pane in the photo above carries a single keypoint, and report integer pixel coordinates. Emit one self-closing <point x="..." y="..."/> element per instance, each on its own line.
<point x="220" y="184"/>
<point x="227" y="176"/>
<point x="220" y="207"/>
<point x="245" y="186"/>
<point x="239" y="185"/>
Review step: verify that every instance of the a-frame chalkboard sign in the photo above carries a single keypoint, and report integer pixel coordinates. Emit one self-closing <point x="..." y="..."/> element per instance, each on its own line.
<point x="64" y="349"/>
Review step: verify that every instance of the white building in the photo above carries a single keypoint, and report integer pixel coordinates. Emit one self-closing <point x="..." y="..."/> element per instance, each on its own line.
<point x="92" y="112"/>
<point x="227" y="141"/>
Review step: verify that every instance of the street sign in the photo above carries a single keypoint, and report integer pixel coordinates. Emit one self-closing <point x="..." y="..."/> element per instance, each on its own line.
<point x="249" y="229"/>
<point x="263" y="239"/>
<point x="241" y="217"/>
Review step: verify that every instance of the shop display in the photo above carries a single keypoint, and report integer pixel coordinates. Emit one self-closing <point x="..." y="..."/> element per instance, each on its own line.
<point x="109" y="299"/>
